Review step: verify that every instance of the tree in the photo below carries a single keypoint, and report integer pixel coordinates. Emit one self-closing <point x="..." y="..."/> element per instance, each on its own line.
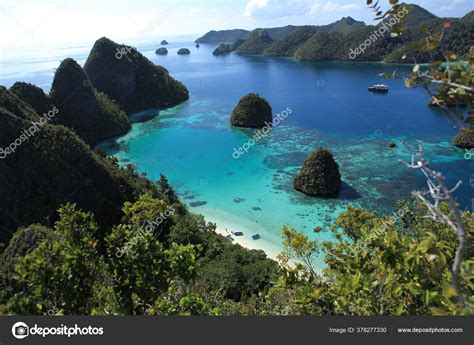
<point x="63" y="275"/>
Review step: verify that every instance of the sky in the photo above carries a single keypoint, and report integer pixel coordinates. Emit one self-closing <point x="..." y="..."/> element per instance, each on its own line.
<point x="60" y="22"/>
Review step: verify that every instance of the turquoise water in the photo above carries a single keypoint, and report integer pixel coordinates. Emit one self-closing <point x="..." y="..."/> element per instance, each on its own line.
<point x="193" y="143"/>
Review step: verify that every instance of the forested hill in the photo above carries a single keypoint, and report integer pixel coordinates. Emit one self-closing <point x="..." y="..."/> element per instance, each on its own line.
<point x="335" y="41"/>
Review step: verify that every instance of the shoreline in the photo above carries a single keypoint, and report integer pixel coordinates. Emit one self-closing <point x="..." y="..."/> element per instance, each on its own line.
<point x="227" y="223"/>
<point x="246" y="242"/>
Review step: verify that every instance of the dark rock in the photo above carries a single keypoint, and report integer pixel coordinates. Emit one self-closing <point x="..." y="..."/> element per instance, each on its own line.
<point x="132" y="80"/>
<point x="184" y="51"/>
<point x="197" y="45"/>
<point x="164" y="43"/>
<point x="319" y="175"/>
<point x="252" y="111"/>
<point x="161" y="51"/>
<point x="391" y="144"/>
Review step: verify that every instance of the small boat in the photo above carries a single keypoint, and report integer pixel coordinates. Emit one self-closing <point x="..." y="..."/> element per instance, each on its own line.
<point x="238" y="233"/>
<point x="380" y="88"/>
<point x="256" y="237"/>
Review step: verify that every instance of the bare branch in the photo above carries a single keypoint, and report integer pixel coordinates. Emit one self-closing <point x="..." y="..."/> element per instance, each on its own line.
<point x="439" y="192"/>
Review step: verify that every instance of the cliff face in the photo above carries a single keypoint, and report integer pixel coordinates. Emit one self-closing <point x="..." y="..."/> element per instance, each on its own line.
<point x="133" y="81"/>
<point x="51" y="167"/>
<point x="92" y="115"/>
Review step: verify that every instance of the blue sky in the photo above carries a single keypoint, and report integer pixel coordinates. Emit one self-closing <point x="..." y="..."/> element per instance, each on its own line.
<point x="39" y="22"/>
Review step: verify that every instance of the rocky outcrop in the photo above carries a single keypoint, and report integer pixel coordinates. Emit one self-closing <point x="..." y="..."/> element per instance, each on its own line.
<point x="222" y="49"/>
<point x="184" y="51"/>
<point x="48" y="166"/>
<point x="164" y="43"/>
<point x="465" y="138"/>
<point x="319" y="175"/>
<point x="132" y="80"/>
<point x="252" y="111"/>
<point x="89" y="113"/>
<point x="161" y="51"/>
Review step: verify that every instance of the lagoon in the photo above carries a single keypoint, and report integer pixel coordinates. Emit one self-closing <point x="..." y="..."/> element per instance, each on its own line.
<point x="193" y="143"/>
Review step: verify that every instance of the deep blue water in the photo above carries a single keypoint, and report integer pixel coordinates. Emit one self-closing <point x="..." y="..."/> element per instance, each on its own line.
<point x="193" y="143"/>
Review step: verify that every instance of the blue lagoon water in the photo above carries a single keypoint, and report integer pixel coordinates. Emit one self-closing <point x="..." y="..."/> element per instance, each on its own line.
<point x="193" y="143"/>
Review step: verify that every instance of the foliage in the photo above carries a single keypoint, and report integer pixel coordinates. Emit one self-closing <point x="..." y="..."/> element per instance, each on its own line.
<point x="61" y="273"/>
<point x="319" y="175"/>
<point x="448" y="78"/>
<point x="252" y="111"/>
<point x="55" y="156"/>
<point x="133" y="81"/>
<point x="256" y="43"/>
<point x="465" y="138"/>
<point x="235" y="271"/>
<point x="290" y="43"/>
<point x="222" y="49"/>
<point x="384" y="269"/>
<point x="91" y="114"/>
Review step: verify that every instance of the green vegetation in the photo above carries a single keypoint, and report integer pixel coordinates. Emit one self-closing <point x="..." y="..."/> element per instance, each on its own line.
<point x="256" y="43"/>
<point x="130" y="79"/>
<point x="161" y="51"/>
<point x="252" y="111"/>
<point x="236" y="44"/>
<point x="92" y="115"/>
<point x="319" y="175"/>
<point x="465" y="138"/>
<point x="33" y="96"/>
<point x="223" y="36"/>
<point x="290" y="43"/>
<point x="56" y="156"/>
<point x="378" y="265"/>
<point x="72" y="269"/>
<point x="335" y="41"/>
<point x="222" y="49"/>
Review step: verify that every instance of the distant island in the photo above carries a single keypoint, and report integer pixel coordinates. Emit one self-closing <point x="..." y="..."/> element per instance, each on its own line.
<point x="338" y="41"/>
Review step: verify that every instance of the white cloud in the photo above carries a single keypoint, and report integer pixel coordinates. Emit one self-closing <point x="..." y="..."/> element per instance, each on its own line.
<point x="284" y="8"/>
<point x="327" y="7"/>
<point x="452" y="6"/>
<point x="276" y="8"/>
